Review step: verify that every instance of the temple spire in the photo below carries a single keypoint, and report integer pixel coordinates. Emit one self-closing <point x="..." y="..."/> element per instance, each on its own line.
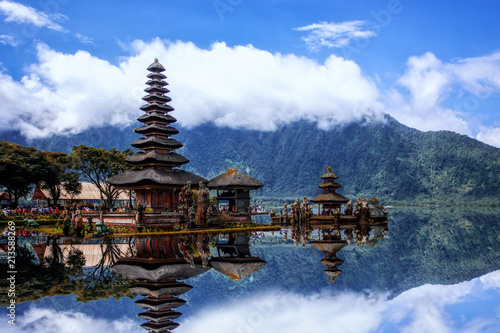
<point x="156" y="177"/>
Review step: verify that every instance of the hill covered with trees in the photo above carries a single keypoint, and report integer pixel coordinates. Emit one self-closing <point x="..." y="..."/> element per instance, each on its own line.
<point x="398" y="164"/>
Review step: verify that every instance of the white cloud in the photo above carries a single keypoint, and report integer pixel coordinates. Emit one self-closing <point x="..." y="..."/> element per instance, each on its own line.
<point x="489" y="135"/>
<point x="67" y="93"/>
<point x="10" y="40"/>
<point x="20" y="13"/>
<point x="491" y="280"/>
<point x="84" y="39"/>
<point x="237" y="86"/>
<point x="421" y="309"/>
<point x="429" y="83"/>
<point x="428" y="308"/>
<point x="334" y="35"/>
<point x="50" y="321"/>
<point x="288" y="312"/>
<point x="243" y="87"/>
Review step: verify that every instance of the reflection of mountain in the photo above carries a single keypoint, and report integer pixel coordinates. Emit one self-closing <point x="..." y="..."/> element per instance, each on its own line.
<point x="439" y="246"/>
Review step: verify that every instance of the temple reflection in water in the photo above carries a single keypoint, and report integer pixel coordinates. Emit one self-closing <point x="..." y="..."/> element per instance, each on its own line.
<point x="163" y="263"/>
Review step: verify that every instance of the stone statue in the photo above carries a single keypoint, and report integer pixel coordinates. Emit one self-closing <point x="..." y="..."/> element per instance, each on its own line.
<point x="348" y="208"/>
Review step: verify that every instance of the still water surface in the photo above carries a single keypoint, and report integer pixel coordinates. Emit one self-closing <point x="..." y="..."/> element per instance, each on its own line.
<point x="436" y="270"/>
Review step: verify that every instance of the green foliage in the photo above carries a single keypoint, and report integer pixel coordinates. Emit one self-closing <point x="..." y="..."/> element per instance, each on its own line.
<point x="97" y="165"/>
<point x="21" y="167"/>
<point x="71" y="184"/>
<point x="75" y="261"/>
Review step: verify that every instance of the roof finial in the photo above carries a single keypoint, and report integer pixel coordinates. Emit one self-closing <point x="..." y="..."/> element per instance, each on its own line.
<point x="156" y="59"/>
<point x="329" y="168"/>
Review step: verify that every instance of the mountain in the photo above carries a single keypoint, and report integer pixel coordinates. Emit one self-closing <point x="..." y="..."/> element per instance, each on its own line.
<point x="398" y="164"/>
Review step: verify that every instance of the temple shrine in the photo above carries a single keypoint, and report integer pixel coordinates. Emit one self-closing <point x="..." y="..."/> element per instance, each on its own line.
<point x="233" y="188"/>
<point x="333" y="209"/>
<point x="329" y="200"/>
<point x="156" y="178"/>
<point x="165" y="193"/>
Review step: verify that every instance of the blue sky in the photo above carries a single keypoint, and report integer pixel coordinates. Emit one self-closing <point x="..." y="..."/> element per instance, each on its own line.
<point x="68" y="65"/>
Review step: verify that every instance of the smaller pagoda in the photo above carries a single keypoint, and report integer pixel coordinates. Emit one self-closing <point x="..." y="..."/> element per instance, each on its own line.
<point x="234" y="187"/>
<point x="329" y="200"/>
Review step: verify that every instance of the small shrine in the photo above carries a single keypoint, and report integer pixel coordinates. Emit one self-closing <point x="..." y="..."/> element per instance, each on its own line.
<point x="233" y="190"/>
<point x="155" y="178"/>
<point x="331" y="211"/>
<point x="329" y="200"/>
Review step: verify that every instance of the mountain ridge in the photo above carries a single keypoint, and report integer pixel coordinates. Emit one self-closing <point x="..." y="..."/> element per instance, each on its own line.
<point x="396" y="163"/>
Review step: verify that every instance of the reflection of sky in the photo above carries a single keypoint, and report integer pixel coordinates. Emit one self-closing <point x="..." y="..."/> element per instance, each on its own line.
<point x="471" y="306"/>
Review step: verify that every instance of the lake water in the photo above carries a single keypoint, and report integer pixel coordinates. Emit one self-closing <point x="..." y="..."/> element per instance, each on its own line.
<point x="436" y="270"/>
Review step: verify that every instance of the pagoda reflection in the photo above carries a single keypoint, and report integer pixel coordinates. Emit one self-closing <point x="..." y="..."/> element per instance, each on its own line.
<point x="161" y="264"/>
<point x="332" y="238"/>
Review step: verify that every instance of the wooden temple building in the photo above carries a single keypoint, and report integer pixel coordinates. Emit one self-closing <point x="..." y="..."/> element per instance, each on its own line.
<point x="233" y="188"/>
<point x="156" y="178"/>
<point x="89" y="193"/>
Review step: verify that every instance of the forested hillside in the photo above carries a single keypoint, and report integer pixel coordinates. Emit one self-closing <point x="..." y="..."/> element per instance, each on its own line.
<point x="385" y="159"/>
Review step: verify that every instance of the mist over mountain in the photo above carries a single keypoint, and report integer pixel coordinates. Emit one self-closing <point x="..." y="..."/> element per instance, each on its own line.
<point x="386" y="159"/>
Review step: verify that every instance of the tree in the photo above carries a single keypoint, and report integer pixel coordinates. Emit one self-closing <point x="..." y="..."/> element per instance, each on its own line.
<point x="21" y="167"/>
<point x="71" y="184"/>
<point x="54" y="174"/>
<point x="97" y="165"/>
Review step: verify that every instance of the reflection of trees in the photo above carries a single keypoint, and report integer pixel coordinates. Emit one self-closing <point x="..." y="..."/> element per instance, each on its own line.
<point x="54" y="278"/>
<point x="109" y="255"/>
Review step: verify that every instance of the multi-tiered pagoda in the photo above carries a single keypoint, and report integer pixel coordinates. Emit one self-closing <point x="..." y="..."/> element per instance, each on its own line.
<point x="329" y="199"/>
<point x="155" y="179"/>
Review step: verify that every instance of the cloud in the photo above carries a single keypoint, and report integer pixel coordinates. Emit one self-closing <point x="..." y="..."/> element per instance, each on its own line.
<point x="237" y="86"/>
<point x="66" y="94"/>
<point x="489" y="135"/>
<point x="244" y="87"/>
<point x="463" y="308"/>
<point x="19" y="13"/>
<point x="491" y="280"/>
<point x="334" y="35"/>
<point x="10" y="40"/>
<point x="50" y="321"/>
<point x="420" y="95"/>
<point x="421" y="309"/>
<point x="84" y="39"/>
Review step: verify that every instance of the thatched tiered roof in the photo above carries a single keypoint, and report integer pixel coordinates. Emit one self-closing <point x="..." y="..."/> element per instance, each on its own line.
<point x="233" y="179"/>
<point x="329" y="186"/>
<point x="158" y="269"/>
<point x="237" y="268"/>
